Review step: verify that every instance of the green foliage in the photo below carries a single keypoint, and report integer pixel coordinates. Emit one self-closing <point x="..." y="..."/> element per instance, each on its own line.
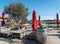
<point x="17" y="11"/>
<point x="13" y="27"/>
<point x="25" y="27"/>
<point x="41" y="26"/>
<point x="21" y="27"/>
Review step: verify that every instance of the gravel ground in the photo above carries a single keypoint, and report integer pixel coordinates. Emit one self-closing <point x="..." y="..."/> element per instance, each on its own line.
<point x="53" y="40"/>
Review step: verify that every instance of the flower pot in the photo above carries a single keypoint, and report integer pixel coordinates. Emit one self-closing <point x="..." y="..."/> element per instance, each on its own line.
<point x="41" y="35"/>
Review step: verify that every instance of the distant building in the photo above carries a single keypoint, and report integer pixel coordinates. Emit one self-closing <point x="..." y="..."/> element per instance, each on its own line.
<point x="48" y="23"/>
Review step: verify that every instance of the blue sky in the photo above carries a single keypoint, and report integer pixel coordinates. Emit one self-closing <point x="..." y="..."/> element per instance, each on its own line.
<point x="47" y="9"/>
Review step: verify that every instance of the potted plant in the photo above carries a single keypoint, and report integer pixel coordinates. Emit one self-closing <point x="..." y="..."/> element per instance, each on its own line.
<point x="41" y="35"/>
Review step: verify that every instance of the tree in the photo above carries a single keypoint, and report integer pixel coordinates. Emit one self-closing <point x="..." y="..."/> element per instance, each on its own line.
<point x="18" y="11"/>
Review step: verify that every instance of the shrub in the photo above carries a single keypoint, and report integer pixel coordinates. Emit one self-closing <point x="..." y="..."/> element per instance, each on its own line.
<point x="13" y="27"/>
<point x="21" y="27"/>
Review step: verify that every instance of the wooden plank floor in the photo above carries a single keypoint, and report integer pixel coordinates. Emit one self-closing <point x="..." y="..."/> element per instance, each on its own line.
<point x="53" y="40"/>
<point x="26" y="41"/>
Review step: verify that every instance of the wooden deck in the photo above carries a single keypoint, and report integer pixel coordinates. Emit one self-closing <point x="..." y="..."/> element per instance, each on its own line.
<point x="13" y="34"/>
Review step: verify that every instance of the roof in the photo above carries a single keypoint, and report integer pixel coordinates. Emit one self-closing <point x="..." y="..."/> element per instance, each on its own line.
<point x="5" y="17"/>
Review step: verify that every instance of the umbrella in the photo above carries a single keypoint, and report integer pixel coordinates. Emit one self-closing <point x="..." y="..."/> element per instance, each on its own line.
<point x="34" y="22"/>
<point x="38" y="22"/>
<point x="22" y="23"/>
<point x="3" y="19"/>
<point x="57" y="19"/>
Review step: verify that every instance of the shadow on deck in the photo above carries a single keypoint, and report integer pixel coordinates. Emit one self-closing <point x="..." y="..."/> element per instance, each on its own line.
<point x="29" y="41"/>
<point x="25" y="40"/>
